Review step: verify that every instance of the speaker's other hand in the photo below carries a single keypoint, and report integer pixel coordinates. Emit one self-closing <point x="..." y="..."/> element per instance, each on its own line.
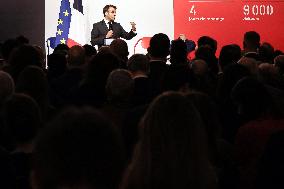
<point x="109" y="34"/>
<point x="133" y="26"/>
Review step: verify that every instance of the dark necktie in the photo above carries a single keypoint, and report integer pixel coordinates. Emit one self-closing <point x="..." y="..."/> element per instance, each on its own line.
<point x="109" y="26"/>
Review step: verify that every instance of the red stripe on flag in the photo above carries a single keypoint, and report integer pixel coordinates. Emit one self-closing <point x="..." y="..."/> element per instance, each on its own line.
<point x="71" y="43"/>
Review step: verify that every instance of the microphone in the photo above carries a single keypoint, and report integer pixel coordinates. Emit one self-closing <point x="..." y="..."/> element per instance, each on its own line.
<point x="110" y="26"/>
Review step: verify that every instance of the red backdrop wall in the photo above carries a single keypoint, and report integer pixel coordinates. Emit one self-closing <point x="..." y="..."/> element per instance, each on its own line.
<point x="227" y="21"/>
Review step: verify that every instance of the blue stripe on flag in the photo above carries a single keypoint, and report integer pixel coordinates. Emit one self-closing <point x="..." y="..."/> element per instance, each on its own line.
<point x="78" y="5"/>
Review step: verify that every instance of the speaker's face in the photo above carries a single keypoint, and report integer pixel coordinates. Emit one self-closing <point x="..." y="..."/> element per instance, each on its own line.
<point x="110" y="14"/>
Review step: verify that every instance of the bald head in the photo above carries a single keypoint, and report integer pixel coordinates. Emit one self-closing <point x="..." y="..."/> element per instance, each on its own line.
<point x="119" y="85"/>
<point x="199" y="67"/>
<point x="250" y="63"/>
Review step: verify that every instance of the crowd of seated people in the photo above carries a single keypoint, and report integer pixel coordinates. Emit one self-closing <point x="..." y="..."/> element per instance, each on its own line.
<point x="84" y="118"/>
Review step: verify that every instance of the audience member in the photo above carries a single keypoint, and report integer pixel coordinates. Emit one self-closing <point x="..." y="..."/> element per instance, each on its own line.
<point x="61" y="87"/>
<point x="257" y="108"/>
<point x="90" y="52"/>
<point x="185" y="138"/>
<point x="266" y="53"/>
<point x="21" y="57"/>
<point x="251" y="42"/>
<point x="158" y="51"/>
<point x="22" y="121"/>
<point x="78" y="149"/>
<point x="207" y="41"/>
<point x="166" y="155"/>
<point x="251" y="64"/>
<point x="91" y="91"/>
<point x="220" y="151"/>
<point x="178" y="52"/>
<point x="229" y="54"/>
<point x="33" y="82"/>
<point x="120" y="49"/>
<point x="138" y="65"/>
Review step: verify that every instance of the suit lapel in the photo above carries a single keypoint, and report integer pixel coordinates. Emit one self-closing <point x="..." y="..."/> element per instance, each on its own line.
<point x="104" y="26"/>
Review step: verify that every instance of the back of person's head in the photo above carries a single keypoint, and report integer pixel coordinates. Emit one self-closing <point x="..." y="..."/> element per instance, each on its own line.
<point x="252" y="98"/>
<point x="250" y="63"/>
<point x="33" y="82"/>
<point x="104" y="61"/>
<point x="119" y="86"/>
<point x="100" y="67"/>
<point x="7" y="86"/>
<point x="207" y="41"/>
<point x="90" y="50"/>
<point x="57" y="64"/>
<point x="172" y="114"/>
<point x="8" y="47"/>
<point x="61" y="49"/>
<point x="229" y="54"/>
<point x="251" y="41"/>
<point x="266" y="52"/>
<point x="120" y="48"/>
<point x="167" y="155"/>
<point x="201" y="77"/>
<point x="207" y="54"/>
<point x="78" y="149"/>
<point x="199" y="67"/>
<point x="104" y="49"/>
<point x="178" y="53"/>
<point x="231" y="75"/>
<point x="138" y="63"/>
<point x="279" y="63"/>
<point x="22" y="118"/>
<point x="22" y="40"/>
<point x="159" y="46"/>
<point x="76" y="56"/>
<point x="23" y="56"/>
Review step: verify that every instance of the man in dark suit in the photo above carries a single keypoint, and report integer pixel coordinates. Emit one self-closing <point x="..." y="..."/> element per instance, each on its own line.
<point x="108" y="29"/>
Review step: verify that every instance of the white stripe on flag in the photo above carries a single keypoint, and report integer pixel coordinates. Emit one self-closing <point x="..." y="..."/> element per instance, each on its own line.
<point x="77" y="27"/>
